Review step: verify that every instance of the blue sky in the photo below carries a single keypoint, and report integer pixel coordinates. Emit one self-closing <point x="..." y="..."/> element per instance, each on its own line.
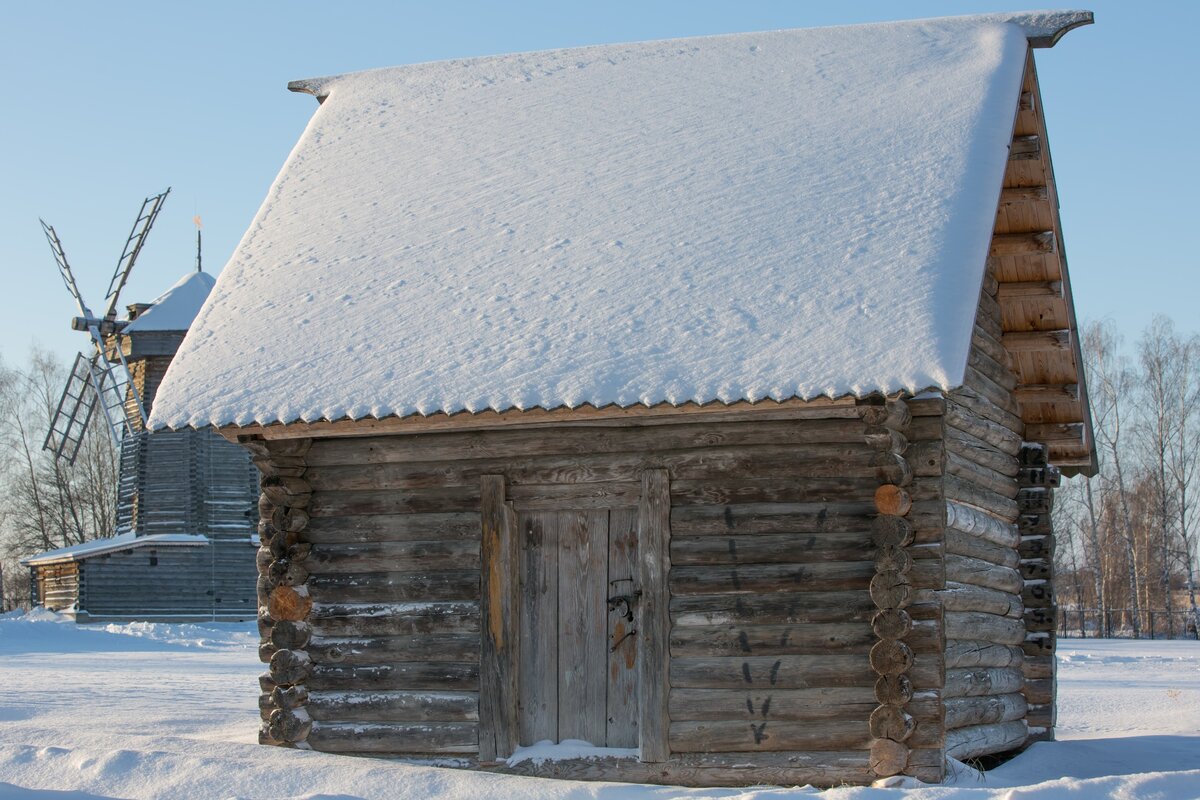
<point x="109" y="102"/>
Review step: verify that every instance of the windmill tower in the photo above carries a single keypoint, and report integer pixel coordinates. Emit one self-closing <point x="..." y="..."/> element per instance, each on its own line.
<point x="183" y="545"/>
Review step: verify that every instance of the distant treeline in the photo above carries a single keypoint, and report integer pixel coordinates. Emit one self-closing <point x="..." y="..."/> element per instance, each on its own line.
<point x="1127" y="537"/>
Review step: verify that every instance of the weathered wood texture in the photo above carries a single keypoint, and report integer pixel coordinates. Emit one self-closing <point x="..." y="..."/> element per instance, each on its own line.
<point x="499" y="612"/>
<point x="893" y="727"/>
<point x="984" y="611"/>
<point x="754" y="546"/>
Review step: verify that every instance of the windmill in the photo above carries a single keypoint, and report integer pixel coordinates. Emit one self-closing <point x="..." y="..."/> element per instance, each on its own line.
<point x="95" y="380"/>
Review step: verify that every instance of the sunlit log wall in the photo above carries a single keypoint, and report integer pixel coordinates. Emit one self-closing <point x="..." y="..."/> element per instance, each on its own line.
<point x="783" y="664"/>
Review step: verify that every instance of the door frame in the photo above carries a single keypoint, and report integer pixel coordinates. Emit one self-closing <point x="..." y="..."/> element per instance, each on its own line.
<point x="499" y="606"/>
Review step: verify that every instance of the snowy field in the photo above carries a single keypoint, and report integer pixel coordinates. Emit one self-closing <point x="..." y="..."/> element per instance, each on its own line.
<point x="169" y="711"/>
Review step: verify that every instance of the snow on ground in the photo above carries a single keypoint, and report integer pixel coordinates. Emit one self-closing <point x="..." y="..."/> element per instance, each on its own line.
<point x="150" y="710"/>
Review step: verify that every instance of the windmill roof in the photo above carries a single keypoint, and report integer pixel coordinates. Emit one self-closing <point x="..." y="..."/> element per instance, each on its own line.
<point x="174" y="309"/>
<point x="764" y="215"/>
<point x="125" y="541"/>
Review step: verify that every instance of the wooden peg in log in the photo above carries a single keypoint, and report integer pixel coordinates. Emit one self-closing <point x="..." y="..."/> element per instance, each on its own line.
<point x="891" y="558"/>
<point x="291" y="635"/>
<point x="285" y="602"/>
<point x="290" y="666"/>
<point x="289" y="697"/>
<point x="891" y="722"/>
<point x="290" y="725"/>
<point x="880" y="437"/>
<point x="891" y="590"/>
<point x="891" y="499"/>
<point x="889" y="530"/>
<point x="289" y="518"/>
<point x="286" y="572"/>
<point x="891" y="623"/>
<point x="888" y="757"/>
<point x="895" y="690"/>
<point x="889" y="657"/>
<point x="892" y="468"/>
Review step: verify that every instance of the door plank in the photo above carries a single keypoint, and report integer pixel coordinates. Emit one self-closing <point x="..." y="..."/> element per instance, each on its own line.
<point x="499" y="612"/>
<point x="654" y="622"/>
<point x="622" y="658"/>
<point x="538" y="532"/>
<point x="582" y="649"/>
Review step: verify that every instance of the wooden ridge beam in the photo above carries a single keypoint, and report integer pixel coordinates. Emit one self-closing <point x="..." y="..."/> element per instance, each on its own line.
<point x="1023" y="244"/>
<point x="1032" y="341"/>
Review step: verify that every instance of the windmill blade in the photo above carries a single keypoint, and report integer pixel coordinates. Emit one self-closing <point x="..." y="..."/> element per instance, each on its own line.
<point x="74" y="412"/>
<point x="118" y="397"/>
<point x="64" y="268"/>
<point x="133" y="246"/>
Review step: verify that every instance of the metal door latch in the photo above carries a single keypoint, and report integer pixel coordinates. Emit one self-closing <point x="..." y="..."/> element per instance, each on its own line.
<point x="617" y="643"/>
<point x="623" y="604"/>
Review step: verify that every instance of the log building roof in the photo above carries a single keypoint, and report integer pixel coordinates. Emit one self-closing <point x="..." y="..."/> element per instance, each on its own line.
<point x="792" y="214"/>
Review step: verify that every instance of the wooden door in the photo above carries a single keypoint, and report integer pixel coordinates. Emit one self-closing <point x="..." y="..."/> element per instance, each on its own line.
<point x="578" y="647"/>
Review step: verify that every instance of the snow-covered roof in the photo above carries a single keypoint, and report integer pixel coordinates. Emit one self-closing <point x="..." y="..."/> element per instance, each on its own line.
<point x="125" y="541"/>
<point x="765" y="215"/>
<point x="175" y="308"/>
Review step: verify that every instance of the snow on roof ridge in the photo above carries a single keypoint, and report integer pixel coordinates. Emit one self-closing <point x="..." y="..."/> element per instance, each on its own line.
<point x="1043" y="29"/>
<point x="177" y="307"/>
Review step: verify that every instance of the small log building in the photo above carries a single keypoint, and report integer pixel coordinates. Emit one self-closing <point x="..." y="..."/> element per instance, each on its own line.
<point x="185" y="537"/>
<point x="703" y="400"/>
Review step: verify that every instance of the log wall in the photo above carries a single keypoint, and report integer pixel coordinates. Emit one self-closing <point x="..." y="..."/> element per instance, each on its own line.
<point x="57" y="585"/>
<point x="984" y="705"/>
<point x="370" y="586"/>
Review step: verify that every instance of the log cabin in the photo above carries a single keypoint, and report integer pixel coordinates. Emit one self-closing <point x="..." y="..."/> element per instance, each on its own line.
<point x="701" y="400"/>
<point x="185" y="533"/>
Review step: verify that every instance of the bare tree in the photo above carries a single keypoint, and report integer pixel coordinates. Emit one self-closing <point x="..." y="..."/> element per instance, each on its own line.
<point x="1111" y="383"/>
<point x="46" y="503"/>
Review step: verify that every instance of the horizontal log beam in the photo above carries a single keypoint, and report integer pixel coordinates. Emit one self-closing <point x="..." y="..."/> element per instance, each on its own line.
<point x="390" y="649"/>
<point x="785" y="608"/>
<point x="406" y="676"/>
<point x="1036" y="341"/>
<point x="964" y="711"/>
<point x="394" y="706"/>
<point x="1016" y="195"/>
<point x="1022" y="290"/>
<point x="766" y="578"/>
<point x="701" y="736"/>
<point x="782" y="705"/>
<point x="1021" y="244"/>
<point x="982" y="625"/>
<point x="781" y="640"/>
<point x="964" y="569"/>
<point x="764" y="672"/>
<point x="1047" y="393"/>
<point x="965" y="597"/>
<point x="434" y="738"/>
<point x="964" y="653"/>
<point x="981" y="740"/>
<point x="1025" y="148"/>
<point x="983" y="681"/>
